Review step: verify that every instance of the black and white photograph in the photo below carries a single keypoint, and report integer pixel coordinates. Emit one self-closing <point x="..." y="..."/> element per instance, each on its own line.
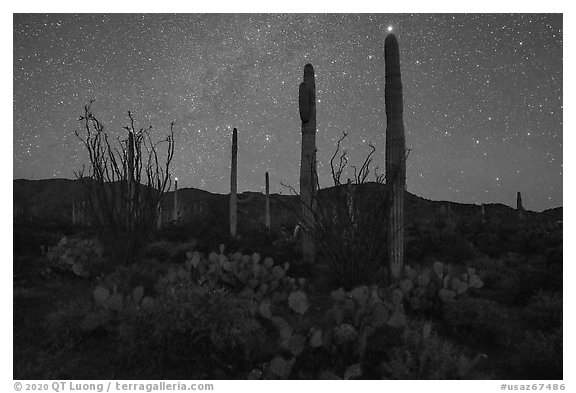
<point x="287" y="196"/>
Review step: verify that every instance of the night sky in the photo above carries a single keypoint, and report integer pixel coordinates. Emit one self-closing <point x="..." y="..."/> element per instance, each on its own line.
<point x="483" y="101"/>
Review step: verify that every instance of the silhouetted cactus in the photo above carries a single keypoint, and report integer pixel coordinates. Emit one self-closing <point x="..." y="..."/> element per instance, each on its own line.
<point x="79" y="212"/>
<point x="130" y="162"/>
<point x="519" y="207"/>
<point x="267" y="203"/>
<point x="395" y="156"/>
<point x="175" y="213"/>
<point x="234" y="185"/>
<point x="308" y="175"/>
<point x="350" y="201"/>
<point x="159" y="219"/>
<point x="131" y="181"/>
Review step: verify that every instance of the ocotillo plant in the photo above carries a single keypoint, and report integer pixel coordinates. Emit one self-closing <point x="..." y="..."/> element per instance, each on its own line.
<point x="395" y="156"/>
<point x="267" y="203"/>
<point x="308" y="175"/>
<point x="519" y="207"/>
<point x="123" y="230"/>
<point x="234" y="185"/>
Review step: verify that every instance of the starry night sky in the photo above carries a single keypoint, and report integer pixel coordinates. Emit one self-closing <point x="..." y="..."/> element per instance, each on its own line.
<point x="483" y="101"/>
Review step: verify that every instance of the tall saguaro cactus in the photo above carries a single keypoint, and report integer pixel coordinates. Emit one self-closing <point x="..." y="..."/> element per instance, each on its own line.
<point x="308" y="175"/>
<point x="395" y="156"/>
<point x="267" y="203"/>
<point x="234" y="185"/>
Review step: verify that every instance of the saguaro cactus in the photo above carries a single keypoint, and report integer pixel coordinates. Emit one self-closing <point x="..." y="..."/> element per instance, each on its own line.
<point x="519" y="207"/>
<point x="78" y="212"/>
<point x="175" y="215"/>
<point x="308" y="175"/>
<point x="131" y="180"/>
<point x="395" y="156"/>
<point x="350" y="202"/>
<point x="159" y="218"/>
<point x="234" y="185"/>
<point x="267" y="203"/>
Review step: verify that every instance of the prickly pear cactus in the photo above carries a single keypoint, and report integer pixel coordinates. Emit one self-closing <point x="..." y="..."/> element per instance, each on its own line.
<point x="298" y="302"/>
<point x="83" y="257"/>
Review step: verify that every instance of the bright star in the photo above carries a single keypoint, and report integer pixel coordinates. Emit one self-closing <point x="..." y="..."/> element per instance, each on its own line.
<point x="389" y="28"/>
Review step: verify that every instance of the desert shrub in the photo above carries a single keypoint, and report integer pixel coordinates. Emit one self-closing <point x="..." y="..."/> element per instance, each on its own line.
<point x="362" y="327"/>
<point x="347" y="229"/>
<point x="513" y="279"/>
<point x="158" y="250"/>
<point x="126" y="278"/>
<point x="483" y="321"/>
<point x="544" y="311"/>
<point x="445" y="245"/>
<point x="537" y="355"/>
<point x="261" y="240"/>
<point x="172" y="326"/>
<point x="500" y="279"/>
<point x="554" y="256"/>
<point x="173" y="233"/>
<point x="63" y="325"/>
<point x="533" y="238"/>
<point x="30" y="238"/>
<point x="535" y="275"/>
<point x="431" y="358"/>
<point x="81" y="257"/>
<point x="235" y="315"/>
<point x="343" y="226"/>
<point x="188" y="322"/>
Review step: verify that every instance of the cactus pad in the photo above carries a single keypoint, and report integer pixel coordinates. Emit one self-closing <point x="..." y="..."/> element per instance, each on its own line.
<point x="397" y="319"/>
<point x="298" y="302"/>
<point x="101" y="295"/>
<point x="345" y="333"/>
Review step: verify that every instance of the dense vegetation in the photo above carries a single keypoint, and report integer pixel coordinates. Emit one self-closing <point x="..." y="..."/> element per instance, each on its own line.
<point x="478" y="299"/>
